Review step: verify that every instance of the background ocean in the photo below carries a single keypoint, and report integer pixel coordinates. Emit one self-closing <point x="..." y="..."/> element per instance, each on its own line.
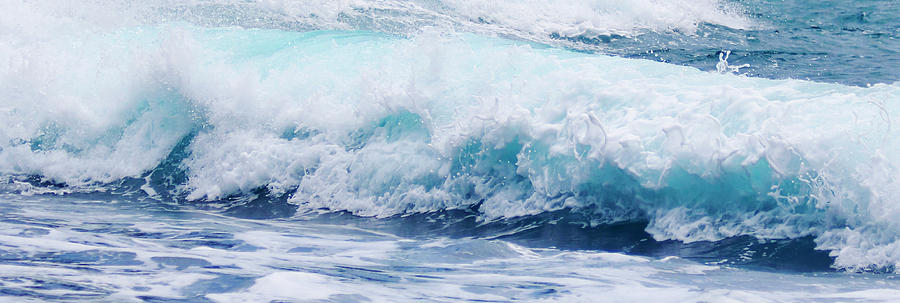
<point x="449" y="150"/>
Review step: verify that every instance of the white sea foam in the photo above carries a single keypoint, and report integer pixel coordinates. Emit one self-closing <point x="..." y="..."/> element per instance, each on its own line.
<point x="599" y="17"/>
<point x="535" y="20"/>
<point x="122" y="252"/>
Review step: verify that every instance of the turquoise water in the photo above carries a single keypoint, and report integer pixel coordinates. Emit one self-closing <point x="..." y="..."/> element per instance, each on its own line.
<point x="449" y="151"/>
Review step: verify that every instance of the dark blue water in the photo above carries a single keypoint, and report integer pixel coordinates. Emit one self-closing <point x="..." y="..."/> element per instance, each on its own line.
<point x="848" y="42"/>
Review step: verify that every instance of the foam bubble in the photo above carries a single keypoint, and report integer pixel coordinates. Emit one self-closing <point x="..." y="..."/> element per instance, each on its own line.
<point x="287" y="285"/>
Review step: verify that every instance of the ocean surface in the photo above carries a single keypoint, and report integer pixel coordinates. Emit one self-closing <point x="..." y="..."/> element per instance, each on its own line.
<point x="449" y="151"/>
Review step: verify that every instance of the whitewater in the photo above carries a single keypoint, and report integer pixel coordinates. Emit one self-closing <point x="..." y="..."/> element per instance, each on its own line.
<point x="356" y="151"/>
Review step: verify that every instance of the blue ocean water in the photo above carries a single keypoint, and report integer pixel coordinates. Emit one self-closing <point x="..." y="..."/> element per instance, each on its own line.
<point x="357" y="151"/>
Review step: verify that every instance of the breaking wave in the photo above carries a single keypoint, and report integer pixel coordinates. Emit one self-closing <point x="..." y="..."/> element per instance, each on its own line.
<point x="381" y="123"/>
